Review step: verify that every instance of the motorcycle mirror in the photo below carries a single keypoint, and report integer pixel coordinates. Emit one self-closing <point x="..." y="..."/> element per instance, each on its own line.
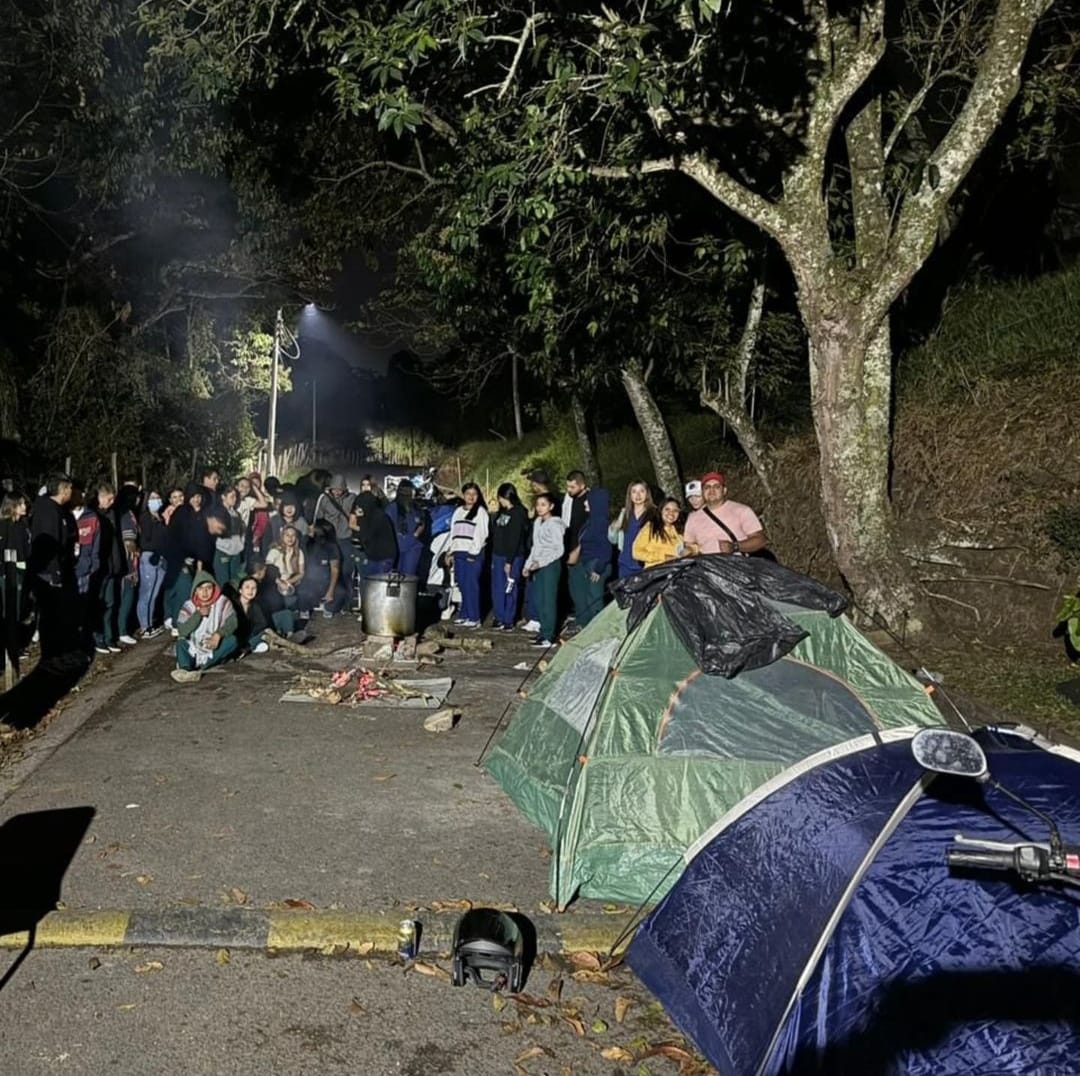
<point x="946" y="751"/>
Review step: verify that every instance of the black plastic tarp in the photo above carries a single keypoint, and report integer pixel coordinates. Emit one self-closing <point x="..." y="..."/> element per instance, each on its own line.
<point x="719" y="606"/>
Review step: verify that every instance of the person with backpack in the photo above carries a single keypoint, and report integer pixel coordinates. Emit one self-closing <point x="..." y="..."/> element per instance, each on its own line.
<point x="721" y="525"/>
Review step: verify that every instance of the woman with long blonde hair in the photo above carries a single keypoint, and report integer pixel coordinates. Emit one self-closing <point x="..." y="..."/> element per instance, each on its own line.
<point x="627" y="527"/>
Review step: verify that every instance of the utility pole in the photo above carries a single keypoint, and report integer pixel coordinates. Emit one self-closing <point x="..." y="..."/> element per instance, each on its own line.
<point x="271" y="440"/>
<point x="314" y="412"/>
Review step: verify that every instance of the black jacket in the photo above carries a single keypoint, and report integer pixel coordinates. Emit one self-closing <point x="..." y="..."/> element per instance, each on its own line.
<point x="52" y="542"/>
<point x="154" y="533"/>
<point x="111" y="554"/>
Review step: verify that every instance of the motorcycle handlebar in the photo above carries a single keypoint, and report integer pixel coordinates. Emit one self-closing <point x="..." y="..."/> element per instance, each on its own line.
<point x="981" y="859"/>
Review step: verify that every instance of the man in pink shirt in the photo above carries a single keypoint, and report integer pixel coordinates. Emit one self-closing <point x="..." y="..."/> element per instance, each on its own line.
<point x="720" y="525"/>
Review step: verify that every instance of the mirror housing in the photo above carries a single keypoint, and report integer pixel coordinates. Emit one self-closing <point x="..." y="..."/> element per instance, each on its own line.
<point x="946" y="751"/>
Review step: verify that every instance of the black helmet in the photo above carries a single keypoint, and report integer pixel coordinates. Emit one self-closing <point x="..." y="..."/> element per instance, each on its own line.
<point x="486" y="938"/>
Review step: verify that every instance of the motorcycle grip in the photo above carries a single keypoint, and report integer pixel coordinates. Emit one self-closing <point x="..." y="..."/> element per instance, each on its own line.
<point x="981" y="859"/>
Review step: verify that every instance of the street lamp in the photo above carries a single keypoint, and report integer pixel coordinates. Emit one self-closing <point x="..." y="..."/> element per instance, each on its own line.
<point x="280" y="331"/>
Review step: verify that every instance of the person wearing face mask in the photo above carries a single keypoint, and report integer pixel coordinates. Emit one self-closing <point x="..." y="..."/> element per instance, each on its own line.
<point x="154" y="535"/>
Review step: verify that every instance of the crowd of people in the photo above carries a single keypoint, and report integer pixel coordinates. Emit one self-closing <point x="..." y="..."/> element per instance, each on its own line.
<point x="219" y="565"/>
<point x="570" y="545"/>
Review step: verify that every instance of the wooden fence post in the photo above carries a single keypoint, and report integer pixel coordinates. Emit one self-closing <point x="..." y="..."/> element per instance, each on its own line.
<point x="115" y="471"/>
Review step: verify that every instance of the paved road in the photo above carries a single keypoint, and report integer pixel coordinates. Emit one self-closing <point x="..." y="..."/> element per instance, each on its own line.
<point x="218" y="793"/>
<point x="295" y="1016"/>
<point x="205" y="789"/>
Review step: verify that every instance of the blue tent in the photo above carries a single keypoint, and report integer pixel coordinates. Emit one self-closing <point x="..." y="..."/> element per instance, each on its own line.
<point x="817" y="928"/>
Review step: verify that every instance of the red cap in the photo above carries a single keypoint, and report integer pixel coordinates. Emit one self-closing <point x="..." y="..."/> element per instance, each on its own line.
<point x="714" y="476"/>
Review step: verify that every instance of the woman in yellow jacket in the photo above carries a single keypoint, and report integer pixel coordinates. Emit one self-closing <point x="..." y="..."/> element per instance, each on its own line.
<point x="661" y="538"/>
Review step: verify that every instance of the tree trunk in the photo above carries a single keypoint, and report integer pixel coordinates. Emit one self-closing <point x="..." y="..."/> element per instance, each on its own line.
<point x="585" y="445"/>
<point x="742" y="425"/>
<point x="851" y="378"/>
<point x="519" y="429"/>
<point x="654" y="430"/>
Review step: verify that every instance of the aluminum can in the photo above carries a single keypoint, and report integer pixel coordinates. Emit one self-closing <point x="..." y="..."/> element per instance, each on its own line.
<point x="406" y="939"/>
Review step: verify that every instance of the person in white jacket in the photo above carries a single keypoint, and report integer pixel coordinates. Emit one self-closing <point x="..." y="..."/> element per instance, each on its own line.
<point x="468" y="539"/>
<point x="544" y="567"/>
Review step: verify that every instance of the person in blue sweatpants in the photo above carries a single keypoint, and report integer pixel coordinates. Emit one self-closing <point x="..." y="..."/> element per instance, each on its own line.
<point x="468" y="543"/>
<point x="412" y="526"/>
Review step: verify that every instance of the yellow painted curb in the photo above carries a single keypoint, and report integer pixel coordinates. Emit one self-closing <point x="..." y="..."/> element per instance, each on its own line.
<point x="302" y="930"/>
<point x="590" y="937"/>
<point x="86" y="929"/>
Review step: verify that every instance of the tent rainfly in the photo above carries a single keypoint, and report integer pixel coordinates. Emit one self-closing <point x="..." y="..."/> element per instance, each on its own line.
<point x="707" y="678"/>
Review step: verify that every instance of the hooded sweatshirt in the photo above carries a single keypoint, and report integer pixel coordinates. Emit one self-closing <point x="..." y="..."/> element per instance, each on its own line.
<point x="197" y="622"/>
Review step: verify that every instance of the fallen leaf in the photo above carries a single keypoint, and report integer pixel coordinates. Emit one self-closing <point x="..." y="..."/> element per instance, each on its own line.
<point x="306" y="905"/>
<point x="356" y="1008"/>
<point x="433" y="970"/>
<point x="222" y="957"/>
<point x="60" y="905"/>
<point x="93" y="963"/>
<point x="532" y="1000"/>
<point x="365" y="947"/>
<point x="590" y="976"/>
<point x="90" y="840"/>
<point x="616" y="1053"/>
<point x="547" y="906"/>
<point x="498" y="1002"/>
<point x="585" y="960"/>
<point x="599" y="1026"/>
<point x="621" y="1006"/>
<point x="672" y="1052"/>
<point x="150" y="965"/>
<point x="144" y="879"/>
<point x="237" y="895"/>
<point x="615" y="909"/>
<point x="129" y="1005"/>
<point x="384" y="776"/>
<point x="554" y="990"/>
<point x="531" y="1052"/>
<point x="451" y="905"/>
<point x="576" y="1023"/>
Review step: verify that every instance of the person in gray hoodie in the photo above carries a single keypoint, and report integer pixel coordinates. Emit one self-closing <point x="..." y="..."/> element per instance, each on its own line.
<point x="207" y="630"/>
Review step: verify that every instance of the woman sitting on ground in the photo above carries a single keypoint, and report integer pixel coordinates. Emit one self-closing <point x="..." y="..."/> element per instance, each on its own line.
<point x="287" y="558"/>
<point x="661" y="538"/>
<point x="272" y="595"/>
<point x="252" y="621"/>
<point x="206" y="626"/>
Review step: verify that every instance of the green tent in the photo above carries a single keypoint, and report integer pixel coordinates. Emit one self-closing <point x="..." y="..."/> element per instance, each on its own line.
<point x="624" y="751"/>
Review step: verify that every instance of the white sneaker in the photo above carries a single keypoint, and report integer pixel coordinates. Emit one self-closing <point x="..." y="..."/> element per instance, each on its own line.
<point x="168" y="623"/>
<point x="469" y="623"/>
<point x="129" y="640"/>
<point x="186" y="676"/>
<point x="174" y="633"/>
<point x="531" y="625"/>
<point x="261" y="648"/>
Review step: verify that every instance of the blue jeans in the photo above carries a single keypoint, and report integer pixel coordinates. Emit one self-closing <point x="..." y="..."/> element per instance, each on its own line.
<point x="504" y="605"/>
<point x="228" y="568"/>
<point x="150" y="580"/>
<point x="408" y="561"/>
<point x="184" y="660"/>
<point x="467" y="570"/>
